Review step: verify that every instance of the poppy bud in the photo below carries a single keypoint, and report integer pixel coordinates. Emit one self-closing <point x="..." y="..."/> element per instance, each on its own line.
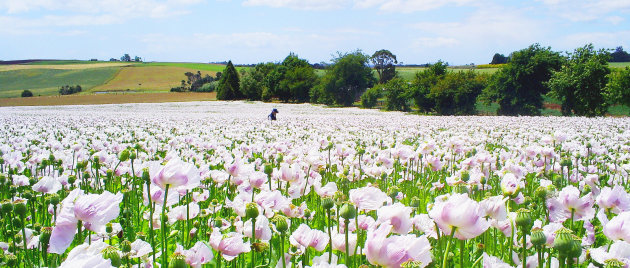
<point x="125" y="246"/>
<point x="347" y="211"/>
<point x="281" y="223"/>
<point x="124" y="155"/>
<point x="251" y="211"/>
<point x="327" y="203"/>
<point x="145" y="176"/>
<point x="268" y="169"/>
<point x="72" y="179"/>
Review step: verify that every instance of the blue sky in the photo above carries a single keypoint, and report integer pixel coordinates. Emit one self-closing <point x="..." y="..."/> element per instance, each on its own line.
<point x="252" y="31"/>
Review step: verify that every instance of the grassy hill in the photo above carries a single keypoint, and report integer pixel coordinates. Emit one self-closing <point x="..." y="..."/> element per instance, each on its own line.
<point x="45" y="77"/>
<point x="47" y="81"/>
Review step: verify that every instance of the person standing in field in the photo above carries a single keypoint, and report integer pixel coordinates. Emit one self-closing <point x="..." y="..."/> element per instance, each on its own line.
<point x="272" y="115"/>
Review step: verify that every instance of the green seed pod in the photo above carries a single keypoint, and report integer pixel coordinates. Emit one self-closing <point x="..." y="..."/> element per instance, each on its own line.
<point x="145" y="176"/>
<point x="109" y="173"/>
<point x="251" y="211"/>
<point x="565" y="163"/>
<point x="133" y="156"/>
<point x="268" y="169"/>
<point x="20" y="209"/>
<point x="45" y="236"/>
<point x="178" y="261"/>
<point x="11" y="260"/>
<point x="54" y="199"/>
<point x="281" y="223"/>
<point x="7" y="207"/>
<point x="18" y="238"/>
<point x="125" y="246"/>
<point x="563" y="242"/>
<point x="327" y="203"/>
<point x="72" y="179"/>
<point x="347" y="211"/>
<point x="538" y="237"/>
<point x="124" y="155"/>
<point x="541" y="193"/>
<point x="3" y="179"/>
<point x="108" y="228"/>
<point x="111" y="254"/>
<point x="576" y="247"/>
<point x="465" y="176"/>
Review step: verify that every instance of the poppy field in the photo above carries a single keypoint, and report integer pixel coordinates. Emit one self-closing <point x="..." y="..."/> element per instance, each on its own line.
<point x="215" y="184"/>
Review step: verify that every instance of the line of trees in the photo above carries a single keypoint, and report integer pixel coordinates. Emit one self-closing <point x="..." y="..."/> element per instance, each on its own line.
<point x="581" y="80"/>
<point x="67" y="90"/>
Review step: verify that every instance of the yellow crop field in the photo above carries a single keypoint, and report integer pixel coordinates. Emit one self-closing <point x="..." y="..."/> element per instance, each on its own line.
<point x="147" y="78"/>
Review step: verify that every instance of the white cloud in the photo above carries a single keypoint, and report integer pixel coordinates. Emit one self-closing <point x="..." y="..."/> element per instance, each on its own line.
<point x="599" y="39"/>
<point x="298" y="4"/>
<point x="494" y="25"/>
<point x="431" y="42"/>
<point x="408" y="6"/>
<point x="615" y="20"/>
<point x="586" y="10"/>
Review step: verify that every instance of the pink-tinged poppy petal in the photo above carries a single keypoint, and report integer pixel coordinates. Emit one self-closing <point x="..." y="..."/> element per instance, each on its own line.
<point x="97" y="209"/>
<point x="62" y="236"/>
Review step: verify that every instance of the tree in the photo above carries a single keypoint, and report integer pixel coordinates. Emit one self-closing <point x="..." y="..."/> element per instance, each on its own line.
<point x="397" y="95"/>
<point x="383" y="61"/>
<point x="371" y="95"/>
<point x="499" y="59"/>
<point x="421" y="85"/>
<point x="619" y="55"/>
<point x="299" y="78"/>
<point x="456" y="93"/>
<point x="580" y="84"/>
<point x="137" y="59"/>
<point x="27" y="93"/>
<point x="618" y="88"/>
<point x="345" y="80"/>
<point x="229" y="87"/>
<point x="125" y="57"/>
<point x="519" y="86"/>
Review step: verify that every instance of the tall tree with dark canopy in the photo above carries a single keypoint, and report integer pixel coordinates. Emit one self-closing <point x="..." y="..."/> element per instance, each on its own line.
<point x="499" y="59"/>
<point x="519" y="86"/>
<point x="383" y="61"/>
<point x="619" y="55"/>
<point x="298" y="79"/>
<point x="229" y="88"/>
<point x="345" y="80"/>
<point x="580" y="84"/>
